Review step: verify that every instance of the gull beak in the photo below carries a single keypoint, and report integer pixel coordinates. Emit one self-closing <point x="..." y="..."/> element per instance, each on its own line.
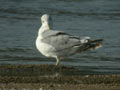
<point x="48" y="27"/>
<point x="50" y="23"/>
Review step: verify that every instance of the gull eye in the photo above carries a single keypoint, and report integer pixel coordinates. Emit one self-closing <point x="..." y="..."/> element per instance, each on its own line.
<point x="43" y="21"/>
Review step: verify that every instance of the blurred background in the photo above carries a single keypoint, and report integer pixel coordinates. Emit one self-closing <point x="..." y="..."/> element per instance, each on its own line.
<point x="20" y="21"/>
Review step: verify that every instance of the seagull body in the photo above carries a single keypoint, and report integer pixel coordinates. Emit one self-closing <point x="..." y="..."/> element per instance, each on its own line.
<point x="59" y="45"/>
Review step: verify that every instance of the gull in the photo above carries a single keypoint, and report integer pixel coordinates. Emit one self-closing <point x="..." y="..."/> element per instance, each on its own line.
<point x="60" y="45"/>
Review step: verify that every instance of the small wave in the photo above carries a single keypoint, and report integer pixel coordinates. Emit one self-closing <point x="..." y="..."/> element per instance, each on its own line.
<point x="15" y="50"/>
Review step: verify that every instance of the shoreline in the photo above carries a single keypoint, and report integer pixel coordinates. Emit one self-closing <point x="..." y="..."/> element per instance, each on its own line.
<point x="47" y="77"/>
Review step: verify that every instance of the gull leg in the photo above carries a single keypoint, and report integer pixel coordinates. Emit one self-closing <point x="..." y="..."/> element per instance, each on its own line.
<point x="57" y="61"/>
<point x="58" y="65"/>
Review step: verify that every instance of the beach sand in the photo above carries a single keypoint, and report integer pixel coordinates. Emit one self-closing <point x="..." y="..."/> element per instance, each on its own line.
<point x="50" y="77"/>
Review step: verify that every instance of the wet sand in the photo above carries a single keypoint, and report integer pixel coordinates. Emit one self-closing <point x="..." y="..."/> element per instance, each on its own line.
<point x="45" y="77"/>
<point x="36" y="86"/>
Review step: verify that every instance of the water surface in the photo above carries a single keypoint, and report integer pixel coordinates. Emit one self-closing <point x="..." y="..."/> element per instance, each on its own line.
<point x="20" y="21"/>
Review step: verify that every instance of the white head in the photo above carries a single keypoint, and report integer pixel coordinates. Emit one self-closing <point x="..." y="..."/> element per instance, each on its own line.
<point x="46" y="19"/>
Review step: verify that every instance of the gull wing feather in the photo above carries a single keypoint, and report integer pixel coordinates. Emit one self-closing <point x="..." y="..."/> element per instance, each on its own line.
<point x="60" y="40"/>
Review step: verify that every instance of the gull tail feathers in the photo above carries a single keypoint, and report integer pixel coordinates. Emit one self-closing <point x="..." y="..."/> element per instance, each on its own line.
<point x="93" y="44"/>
